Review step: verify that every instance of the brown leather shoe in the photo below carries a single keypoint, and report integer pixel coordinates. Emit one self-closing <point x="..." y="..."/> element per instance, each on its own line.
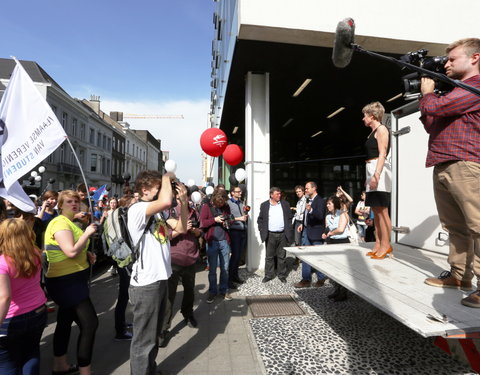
<point x="302" y="284"/>
<point x="473" y="300"/>
<point x="446" y="280"/>
<point x="319" y="283"/>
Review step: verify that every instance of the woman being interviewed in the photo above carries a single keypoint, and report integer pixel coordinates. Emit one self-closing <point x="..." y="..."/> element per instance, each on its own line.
<point x="23" y="314"/>
<point x="67" y="284"/>
<point x="379" y="180"/>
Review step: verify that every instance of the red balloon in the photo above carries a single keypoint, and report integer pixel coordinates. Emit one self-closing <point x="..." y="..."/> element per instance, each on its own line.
<point x="233" y="154"/>
<point x="213" y="141"/>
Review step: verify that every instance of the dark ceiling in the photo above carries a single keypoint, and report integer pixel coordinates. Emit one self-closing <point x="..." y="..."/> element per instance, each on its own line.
<point x="366" y="79"/>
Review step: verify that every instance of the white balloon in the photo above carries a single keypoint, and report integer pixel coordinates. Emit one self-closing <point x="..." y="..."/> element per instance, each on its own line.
<point x="196" y="197"/>
<point x="240" y="174"/>
<point x="170" y="166"/>
<point x="190" y="182"/>
<point x="33" y="173"/>
<point x="41" y="169"/>
<point x="38" y="178"/>
<point x="209" y="190"/>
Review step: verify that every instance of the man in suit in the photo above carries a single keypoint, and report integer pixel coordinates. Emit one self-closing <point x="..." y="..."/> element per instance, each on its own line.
<point x="314" y="222"/>
<point x="275" y="226"/>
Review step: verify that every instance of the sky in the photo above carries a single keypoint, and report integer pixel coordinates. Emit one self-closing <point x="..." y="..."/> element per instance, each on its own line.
<point x="142" y="57"/>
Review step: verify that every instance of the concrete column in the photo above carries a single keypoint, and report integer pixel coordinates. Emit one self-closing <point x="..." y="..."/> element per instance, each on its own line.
<point x="257" y="160"/>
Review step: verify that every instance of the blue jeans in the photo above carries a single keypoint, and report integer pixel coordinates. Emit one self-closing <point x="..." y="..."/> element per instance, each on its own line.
<point x="218" y="251"/>
<point x="20" y="349"/>
<point x="307" y="268"/>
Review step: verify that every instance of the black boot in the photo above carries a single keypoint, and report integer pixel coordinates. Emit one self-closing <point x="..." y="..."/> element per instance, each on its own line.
<point x="342" y="295"/>
<point x="335" y="292"/>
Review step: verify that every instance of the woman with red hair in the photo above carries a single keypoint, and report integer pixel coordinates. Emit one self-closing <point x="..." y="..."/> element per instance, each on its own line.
<point x="23" y="314"/>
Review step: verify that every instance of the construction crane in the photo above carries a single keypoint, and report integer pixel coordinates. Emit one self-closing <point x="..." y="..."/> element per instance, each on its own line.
<point x="137" y="116"/>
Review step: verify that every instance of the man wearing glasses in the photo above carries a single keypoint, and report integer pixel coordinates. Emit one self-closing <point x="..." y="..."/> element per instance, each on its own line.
<point x="238" y="235"/>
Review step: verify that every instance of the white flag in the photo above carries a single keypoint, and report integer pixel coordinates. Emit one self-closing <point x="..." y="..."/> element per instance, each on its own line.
<point x="31" y="131"/>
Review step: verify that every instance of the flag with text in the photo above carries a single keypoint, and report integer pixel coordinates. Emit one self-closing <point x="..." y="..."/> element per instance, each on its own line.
<point x="31" y="131"/>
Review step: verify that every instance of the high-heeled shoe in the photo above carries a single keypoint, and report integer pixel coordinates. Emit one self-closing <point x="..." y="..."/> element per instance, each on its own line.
<point x="370" y="253"/>
<point x="375" y="256"/>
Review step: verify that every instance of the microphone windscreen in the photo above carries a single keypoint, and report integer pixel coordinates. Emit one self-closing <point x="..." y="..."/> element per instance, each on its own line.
<point x="344" y="38"/>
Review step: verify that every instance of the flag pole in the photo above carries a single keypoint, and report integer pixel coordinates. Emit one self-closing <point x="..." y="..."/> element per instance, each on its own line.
<point x="89" y="202"/>
<point x="83" y="176"/>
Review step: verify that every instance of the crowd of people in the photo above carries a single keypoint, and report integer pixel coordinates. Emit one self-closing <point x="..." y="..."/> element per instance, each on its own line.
<point x="50" y="254"/>
<point x="170" y="232"/>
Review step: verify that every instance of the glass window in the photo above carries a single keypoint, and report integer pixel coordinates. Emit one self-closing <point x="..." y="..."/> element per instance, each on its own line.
<point x="99" y="139"/>
<point x="92" y="136"/>
<point x="64" y="120"/>
<point x="108" y="167"/>
<point x="93" y="163"/>
<point x="81" y="156"/>
<point x="82" y="131"/>
<point x="104" y="144"/>
<point x="74" y="127"/>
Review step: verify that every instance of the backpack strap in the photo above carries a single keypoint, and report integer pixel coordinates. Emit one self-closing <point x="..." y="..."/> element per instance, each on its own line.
<point x="137" y="246"/>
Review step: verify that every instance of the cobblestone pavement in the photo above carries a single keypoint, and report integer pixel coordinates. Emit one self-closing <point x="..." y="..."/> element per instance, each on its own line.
<point x="350" y="337"/>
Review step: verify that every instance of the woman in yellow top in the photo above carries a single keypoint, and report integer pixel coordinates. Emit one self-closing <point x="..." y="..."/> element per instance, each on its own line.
<point x="67" y="284"/>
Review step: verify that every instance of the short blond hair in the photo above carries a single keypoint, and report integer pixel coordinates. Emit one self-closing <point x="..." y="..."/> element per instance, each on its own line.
<point x="470" y="46"/>
<point x="67" y="194"/>
<point x="374" y="109"/>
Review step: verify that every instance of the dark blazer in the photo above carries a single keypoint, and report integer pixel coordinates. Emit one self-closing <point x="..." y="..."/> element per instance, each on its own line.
<point x="316" y="219"/>
<point x="262" y="220"/>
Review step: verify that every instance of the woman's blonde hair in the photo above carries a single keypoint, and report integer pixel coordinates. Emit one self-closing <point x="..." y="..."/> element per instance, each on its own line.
<point x="374" y="109"/>
<point x="67" y="194"/>
<point x="17" y="244"/>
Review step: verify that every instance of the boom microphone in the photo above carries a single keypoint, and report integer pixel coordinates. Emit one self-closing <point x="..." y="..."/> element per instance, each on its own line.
<point x="342" y="48"/>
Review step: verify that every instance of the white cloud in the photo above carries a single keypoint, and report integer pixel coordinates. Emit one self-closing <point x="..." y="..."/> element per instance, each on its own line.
<point x="179" y="136"/>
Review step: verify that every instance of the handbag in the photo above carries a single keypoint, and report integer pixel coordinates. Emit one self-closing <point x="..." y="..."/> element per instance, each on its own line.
<point x="352" y="231"/>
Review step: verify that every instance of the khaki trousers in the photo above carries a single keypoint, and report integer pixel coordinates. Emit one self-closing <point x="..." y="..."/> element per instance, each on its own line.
<point x="457" y="194"/>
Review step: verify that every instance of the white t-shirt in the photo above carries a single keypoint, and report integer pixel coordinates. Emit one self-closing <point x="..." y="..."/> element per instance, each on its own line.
<point x="154" y="249"/>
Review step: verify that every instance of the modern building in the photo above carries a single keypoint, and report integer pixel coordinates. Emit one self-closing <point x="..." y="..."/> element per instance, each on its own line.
<point x="276" y="92"/>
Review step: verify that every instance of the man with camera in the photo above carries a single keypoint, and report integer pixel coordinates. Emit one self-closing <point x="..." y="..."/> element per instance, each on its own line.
<point x="148" y="289"/>
<point x="453" y="123"/>
<point x="184" y="253"/>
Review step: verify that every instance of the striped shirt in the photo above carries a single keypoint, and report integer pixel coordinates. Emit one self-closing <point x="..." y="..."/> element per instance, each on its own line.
<point x="453" y="123"/>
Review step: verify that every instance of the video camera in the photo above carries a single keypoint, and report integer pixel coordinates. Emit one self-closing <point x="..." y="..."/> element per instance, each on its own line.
<point x="412" y="82"/>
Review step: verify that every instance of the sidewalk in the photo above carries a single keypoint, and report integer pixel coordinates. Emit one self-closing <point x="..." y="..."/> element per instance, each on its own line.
<point x="350" y="337"/>
<point x="222" y="344"/>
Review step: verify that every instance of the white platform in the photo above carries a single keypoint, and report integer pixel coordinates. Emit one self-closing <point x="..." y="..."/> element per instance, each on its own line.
<point x="396" y="285"/>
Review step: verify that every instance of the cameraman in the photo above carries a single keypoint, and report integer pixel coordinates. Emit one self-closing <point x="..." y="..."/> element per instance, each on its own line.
<point x="453" y="123"/>
<point x="184" y="254"/>
<point x="214" y="220"/>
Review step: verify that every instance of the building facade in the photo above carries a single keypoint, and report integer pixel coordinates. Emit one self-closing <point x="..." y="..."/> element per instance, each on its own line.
<point x="106" y="149"/>
<point x="276" y="92"/>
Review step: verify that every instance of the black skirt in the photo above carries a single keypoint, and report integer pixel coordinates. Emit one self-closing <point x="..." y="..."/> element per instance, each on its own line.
<point x="377" y="199"/>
